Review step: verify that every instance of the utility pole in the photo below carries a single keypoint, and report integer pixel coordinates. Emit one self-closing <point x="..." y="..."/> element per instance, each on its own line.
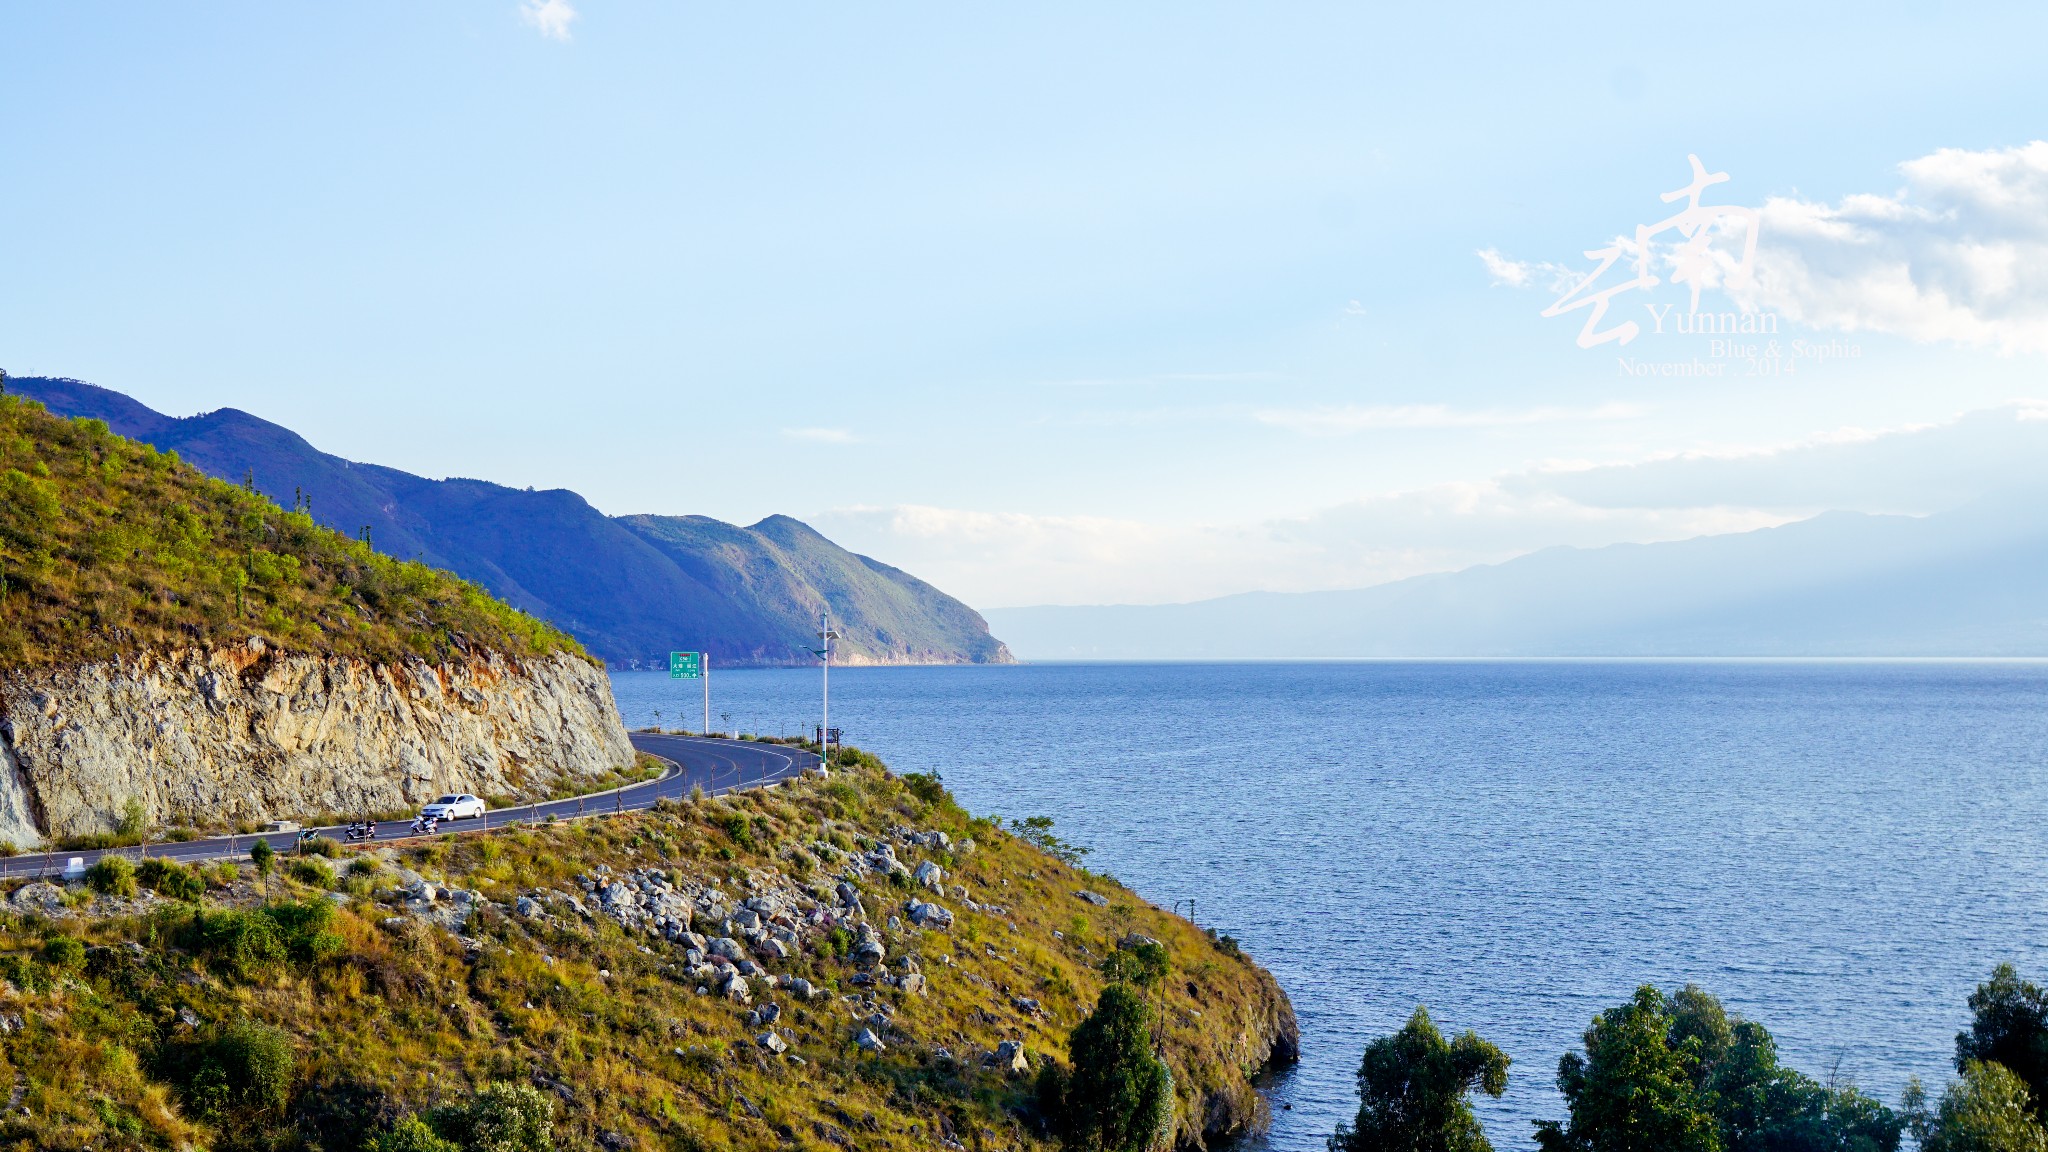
<point x="825" y="637"/>
<point x="707" y="692"/>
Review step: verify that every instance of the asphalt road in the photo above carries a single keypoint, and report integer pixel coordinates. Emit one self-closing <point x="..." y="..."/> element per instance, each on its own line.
<point x="717" y="766"/>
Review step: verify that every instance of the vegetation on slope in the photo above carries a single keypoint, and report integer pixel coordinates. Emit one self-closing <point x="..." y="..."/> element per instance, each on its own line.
<point x="630" y="588"/>
<point x="326" y="1025"/>
<point x="108" y="546"/>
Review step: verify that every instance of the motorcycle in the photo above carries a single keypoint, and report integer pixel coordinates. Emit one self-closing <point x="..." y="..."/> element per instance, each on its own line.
<point x="425" y="825"/>
<point x="360" y="831"/>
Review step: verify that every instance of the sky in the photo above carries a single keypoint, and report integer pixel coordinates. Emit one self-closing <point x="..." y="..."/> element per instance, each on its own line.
<point x="1064" y="303"/>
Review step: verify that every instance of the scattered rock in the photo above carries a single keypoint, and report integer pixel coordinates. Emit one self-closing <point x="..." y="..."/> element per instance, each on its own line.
<point x="1009" y="1057"/>
<point x="772" y="1042"/>
<point x="869" y="1042"/>
<point x="1095" y="898"/>
<point x="931" y="876"/>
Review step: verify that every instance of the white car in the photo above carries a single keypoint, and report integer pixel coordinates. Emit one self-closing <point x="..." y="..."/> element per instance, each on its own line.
<point x="459" y="806"/>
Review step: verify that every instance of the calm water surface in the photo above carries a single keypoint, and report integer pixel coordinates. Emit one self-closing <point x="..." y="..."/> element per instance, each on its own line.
<point x="1840" y="851"/>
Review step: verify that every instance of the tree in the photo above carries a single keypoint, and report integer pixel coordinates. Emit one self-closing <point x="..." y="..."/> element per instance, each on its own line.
<point x="1119" y="1096"/>
<point x="2009" y="1026"/>
<point x="1679" y="1072"/>
<point x="1413" y="1088"/>
<point x="501" y="1118"/>
<point x="261" y="854"/>
<point x="246" y="1064"/>
<point x="1144" y="964"/>
<point x="1633" y="1089"/>
<point x="1989" y="1110"/>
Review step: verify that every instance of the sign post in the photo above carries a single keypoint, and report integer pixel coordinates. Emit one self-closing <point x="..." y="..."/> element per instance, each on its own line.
<point x="694" y="666"/>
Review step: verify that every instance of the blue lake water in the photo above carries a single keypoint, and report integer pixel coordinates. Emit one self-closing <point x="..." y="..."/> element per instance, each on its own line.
<point x="1840" y="851"/>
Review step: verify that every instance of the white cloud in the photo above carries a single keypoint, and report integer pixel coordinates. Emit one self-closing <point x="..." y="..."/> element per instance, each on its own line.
<point x="551" y="18"/>
<point x="820" y="435"/>
<point x="1509" y="273"/>
<point x="1959" y="254"/>
<point x="1343" y="419"/>
<point x="1004" y="559"/>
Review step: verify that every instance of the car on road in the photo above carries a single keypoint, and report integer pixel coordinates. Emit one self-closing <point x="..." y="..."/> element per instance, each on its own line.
<point x="456" y="806"/>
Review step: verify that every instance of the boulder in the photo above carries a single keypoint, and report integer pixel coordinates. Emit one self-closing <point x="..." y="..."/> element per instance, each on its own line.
<point x="736" y="989"/>
<point x="930" y="875"/>
<point x="869" y="1042"/>
<point x="928" y="915"/>
<point x="727" y="947"/>
<point x="913" y="984"/>
<point x="1009" y="1057"/>
<point x="772" y="1042"/>
<point x="1095" y="898"/>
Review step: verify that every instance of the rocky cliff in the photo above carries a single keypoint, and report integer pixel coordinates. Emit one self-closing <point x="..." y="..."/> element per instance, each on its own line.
<point x="228" y="734"/>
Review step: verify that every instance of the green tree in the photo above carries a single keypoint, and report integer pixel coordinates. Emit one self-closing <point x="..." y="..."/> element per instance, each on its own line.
<point x="112" y="875"/>
<point x="1119" y="1095"/>
<point x="1413" y="1088"/>
<point x="1988" y="1110"/>
<point x="261" y="854"/>
<point x="1680" y="1072"/>
<point x="1144" y="964"/>
<point x="2009" y="1026"/>
<point x="1633" y="1089"/>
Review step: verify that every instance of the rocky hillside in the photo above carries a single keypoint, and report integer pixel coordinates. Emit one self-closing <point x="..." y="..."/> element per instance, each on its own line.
<point x="852" y="963"/>
<point x="176" y="645"/>
<point x="631" y="588"/>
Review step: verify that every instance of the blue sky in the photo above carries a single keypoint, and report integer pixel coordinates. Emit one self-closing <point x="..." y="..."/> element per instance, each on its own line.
<point x="1057" y="303"/>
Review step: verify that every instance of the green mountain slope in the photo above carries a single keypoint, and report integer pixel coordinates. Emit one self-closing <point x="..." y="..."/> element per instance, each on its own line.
<point x="630" y="588"/>
<point x="782" y="572"/>
<point x="108" y="546"/>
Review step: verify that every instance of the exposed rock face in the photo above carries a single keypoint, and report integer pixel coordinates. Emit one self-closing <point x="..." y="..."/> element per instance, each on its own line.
<point x="248" y="733"/>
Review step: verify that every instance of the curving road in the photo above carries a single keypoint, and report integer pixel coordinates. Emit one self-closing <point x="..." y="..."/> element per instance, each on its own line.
<point x="715" y="765"/>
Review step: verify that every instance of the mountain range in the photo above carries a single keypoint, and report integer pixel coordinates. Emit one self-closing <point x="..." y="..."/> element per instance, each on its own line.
<point x="630" y="588"/>
<point x="1972" y="581"/>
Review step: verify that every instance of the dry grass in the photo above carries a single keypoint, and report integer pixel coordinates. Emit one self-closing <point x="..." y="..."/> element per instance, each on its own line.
<point x="108" y="547"/>
<point x="394" y="1021"/>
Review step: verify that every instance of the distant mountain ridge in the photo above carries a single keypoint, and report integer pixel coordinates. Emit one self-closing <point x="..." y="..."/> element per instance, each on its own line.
<point x="1968" y="582"/>
<point x="630" y="588"/>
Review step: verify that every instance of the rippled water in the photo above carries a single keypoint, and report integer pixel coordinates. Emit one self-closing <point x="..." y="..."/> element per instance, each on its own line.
<point x="1839" y="850"/>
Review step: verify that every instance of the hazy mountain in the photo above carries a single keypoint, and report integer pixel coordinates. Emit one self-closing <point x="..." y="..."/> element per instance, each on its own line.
<point x="1973" y="581"/>
<point x="631" y="588"/>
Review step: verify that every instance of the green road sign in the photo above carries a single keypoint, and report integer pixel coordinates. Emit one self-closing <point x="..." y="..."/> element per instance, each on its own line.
<point x="685" y="665"/>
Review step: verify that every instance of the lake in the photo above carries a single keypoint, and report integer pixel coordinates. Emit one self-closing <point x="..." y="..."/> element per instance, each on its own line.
<point x="1839" y="850"/>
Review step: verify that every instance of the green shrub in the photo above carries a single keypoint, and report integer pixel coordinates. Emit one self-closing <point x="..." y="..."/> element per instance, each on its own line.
<point x="926" y="786"/>
<point x="261" y="854"/>
<point x="63" y="953"/>
<point x="24" y="973"/>
<point x="168" y="878"/>
<point x="134" y="819"/>
<point x="112" y="876"/>
<point x="500" y="1118"/>
<point x="311" y="871"/>
<point x="320" y="846"/>
<point x="243" y="943"/>
<point x="411" y="1135"/>
<point x="244" y="1065"/>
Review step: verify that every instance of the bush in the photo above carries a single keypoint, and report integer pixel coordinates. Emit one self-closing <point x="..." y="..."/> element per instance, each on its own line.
<point x="926" y="786"/>
<point x="63" y="953"/>
<point x="326" y="846"/>
<point x="311" y="871"/>
<point x="411" y="1135"/>
<point x="112" y="876"/>
<point x="243" y="1065"/>
<point x="1142" y="964"/>
<point x="168" y="878"/>
<point x="261" y="854"/>
<point x="24" y="973"/>
<point x="501" y="1118"/>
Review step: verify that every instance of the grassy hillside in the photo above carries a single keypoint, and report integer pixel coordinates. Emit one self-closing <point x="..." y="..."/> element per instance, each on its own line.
<point x="238" y="1012"/>
<point x="108" y="546"/>
<point x="630" y="588"/>
<point x="784" y="572"/>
